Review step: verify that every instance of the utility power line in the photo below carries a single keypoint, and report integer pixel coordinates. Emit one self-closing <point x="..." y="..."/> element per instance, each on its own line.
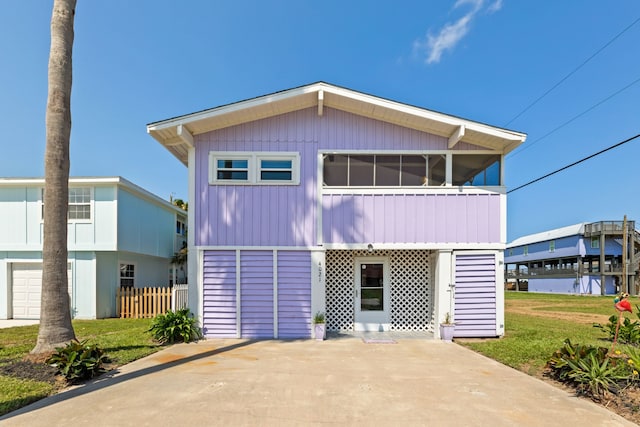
<point x="597" y="104"/>
<point x="575" y="163"/>
<point x="574" y="71"/>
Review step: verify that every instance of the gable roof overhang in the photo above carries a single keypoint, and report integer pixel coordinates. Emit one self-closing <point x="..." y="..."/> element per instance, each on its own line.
<point x="176" y="134"/>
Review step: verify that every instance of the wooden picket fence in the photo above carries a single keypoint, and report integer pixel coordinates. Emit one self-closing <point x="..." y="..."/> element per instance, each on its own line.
<point x="141" y="303"/>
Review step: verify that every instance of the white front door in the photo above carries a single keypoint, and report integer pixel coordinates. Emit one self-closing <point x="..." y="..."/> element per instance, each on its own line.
<point x="372" y="295"/>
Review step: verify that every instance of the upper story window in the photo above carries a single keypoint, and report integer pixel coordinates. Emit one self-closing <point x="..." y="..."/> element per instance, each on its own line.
<point x="181" y="227"/>
<point x="80" y="203"/>
<point x="79" y="207"/>
<point x="273" y="168"/>
<point x="383" y="170"/>
<point x="230" y="169"/>
<point x="595" y="242"/>
<point x="411" y="170"/>
<point x="552" y="246"/>
<point x="525" y="250"/>
<point x="476" y="169"/>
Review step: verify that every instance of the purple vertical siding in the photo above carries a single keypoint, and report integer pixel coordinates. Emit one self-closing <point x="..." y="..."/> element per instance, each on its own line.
<point x="411" y="218"/>
<point x="294" y="294"/>
<point x="286" y="215"/>
<point x="475" y="295"/>
<point x="256" y="293"/>
<point x="219" y="294"/>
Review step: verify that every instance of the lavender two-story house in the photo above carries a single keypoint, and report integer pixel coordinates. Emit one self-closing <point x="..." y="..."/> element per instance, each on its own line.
<point x="383" y="215"/>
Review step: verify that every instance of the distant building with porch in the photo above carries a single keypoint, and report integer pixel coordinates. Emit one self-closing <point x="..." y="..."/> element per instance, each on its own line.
<point x="585" y="258"/>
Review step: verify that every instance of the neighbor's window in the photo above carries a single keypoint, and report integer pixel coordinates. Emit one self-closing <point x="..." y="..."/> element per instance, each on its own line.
<point x="476" y="169"/>
<point x="80" y="203"/>
<point x="525" y="250"/>
<point x="127" y="275"/>
<point x="79" y="207"/>
<point x="181" y="227"/>
<point x="383" y="170"/>
<point x="254" y="168"/>
<point x="552" y="246"/>
<point x="595" y="242"/>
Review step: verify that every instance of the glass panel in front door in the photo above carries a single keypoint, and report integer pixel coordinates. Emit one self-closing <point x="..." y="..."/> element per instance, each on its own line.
<point x="372" y="287"/>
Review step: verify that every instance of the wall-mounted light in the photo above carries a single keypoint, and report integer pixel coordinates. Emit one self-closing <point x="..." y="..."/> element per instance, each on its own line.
<point x="370" y="248"/>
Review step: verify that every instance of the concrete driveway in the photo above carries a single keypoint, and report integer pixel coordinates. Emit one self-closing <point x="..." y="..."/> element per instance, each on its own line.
<point x="343" y="381"/>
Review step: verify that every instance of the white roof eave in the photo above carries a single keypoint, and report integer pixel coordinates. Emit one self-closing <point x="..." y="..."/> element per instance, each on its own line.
<point x="171" y="133"/>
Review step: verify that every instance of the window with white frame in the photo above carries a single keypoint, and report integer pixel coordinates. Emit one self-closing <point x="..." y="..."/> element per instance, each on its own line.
<point x="525" y="250"/>
<point x="127" y="275"/>
<point x="80" y="203"/>
<point x="181" y="227"/>
<point x="79" y="207"/>
<point x="595" y="242"/>
<point x="552" y="246"/>
<point x="273" y="168"/>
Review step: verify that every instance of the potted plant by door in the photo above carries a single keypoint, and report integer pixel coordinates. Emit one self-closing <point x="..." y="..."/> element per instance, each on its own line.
<point x="319" y="329"/>
<point x="447" y="328"/>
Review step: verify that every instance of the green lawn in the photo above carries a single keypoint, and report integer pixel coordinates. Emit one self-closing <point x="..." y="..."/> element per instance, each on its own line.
<point x="124" y="340"/>
<point x="530" y="340"/>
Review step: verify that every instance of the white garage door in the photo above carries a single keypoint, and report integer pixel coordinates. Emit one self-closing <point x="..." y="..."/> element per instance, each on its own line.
<point x="26" y="290"/>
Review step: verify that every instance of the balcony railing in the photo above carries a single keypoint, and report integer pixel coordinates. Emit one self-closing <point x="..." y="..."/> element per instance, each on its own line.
<point x="561" y="272"/>
<point x="608" y="227"/>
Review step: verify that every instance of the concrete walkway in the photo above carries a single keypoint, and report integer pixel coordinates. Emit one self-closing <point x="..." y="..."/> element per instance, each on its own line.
<point x="343" y="381"/>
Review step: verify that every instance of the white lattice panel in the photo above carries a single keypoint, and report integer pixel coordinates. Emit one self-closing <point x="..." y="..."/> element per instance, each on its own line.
<point x="339" y="290"/>
<point x="410" y="291"/>
<point x="411" y="307"/>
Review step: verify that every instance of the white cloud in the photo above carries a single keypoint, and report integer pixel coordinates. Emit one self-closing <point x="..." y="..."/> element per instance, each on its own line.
<point x="495" y="6"/>
<point x="433" y="46"/>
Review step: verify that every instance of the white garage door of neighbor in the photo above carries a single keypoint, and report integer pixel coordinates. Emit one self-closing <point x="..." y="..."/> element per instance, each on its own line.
<point x="26" y="290"/>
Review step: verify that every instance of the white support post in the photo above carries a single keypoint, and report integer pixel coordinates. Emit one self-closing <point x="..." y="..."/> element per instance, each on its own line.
<point x="318" y="295"/>
<point x="443" y="298"/>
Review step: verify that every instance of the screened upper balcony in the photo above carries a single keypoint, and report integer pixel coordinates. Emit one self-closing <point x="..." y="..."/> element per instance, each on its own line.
<point x="410" y="170"/>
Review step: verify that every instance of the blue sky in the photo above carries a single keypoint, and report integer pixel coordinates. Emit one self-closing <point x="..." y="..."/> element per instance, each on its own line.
<point x="137" y="62"/>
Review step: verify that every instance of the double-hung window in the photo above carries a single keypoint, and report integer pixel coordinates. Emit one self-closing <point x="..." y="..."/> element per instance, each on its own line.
<point x="79" y="207"/>
<point x="248" y="168"/>
<point x="127" y="275"/>
<point x="80" y="203"/>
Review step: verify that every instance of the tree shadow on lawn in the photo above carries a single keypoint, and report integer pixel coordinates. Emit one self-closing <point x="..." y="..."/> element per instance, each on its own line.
<point x="112" y="378"/>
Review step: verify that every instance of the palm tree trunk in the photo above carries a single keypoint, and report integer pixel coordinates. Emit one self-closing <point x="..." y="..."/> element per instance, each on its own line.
<point x="55" y="316"/>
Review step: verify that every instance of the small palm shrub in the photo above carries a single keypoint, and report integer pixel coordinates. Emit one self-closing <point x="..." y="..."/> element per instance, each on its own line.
<point x="591" y="370"/>
<point x="178" y="326"/>
<point x="79" y="361"/>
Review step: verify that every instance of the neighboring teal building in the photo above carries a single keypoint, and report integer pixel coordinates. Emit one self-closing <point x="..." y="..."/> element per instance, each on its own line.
<point x="585" y="258"/>
<point x="119" y="235"/>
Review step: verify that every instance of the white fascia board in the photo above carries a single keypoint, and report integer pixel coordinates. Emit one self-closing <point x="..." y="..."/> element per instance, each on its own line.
<point x="427" y="114"/>
<point x="232" y="108"/>
<point x="347" y="93"/>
